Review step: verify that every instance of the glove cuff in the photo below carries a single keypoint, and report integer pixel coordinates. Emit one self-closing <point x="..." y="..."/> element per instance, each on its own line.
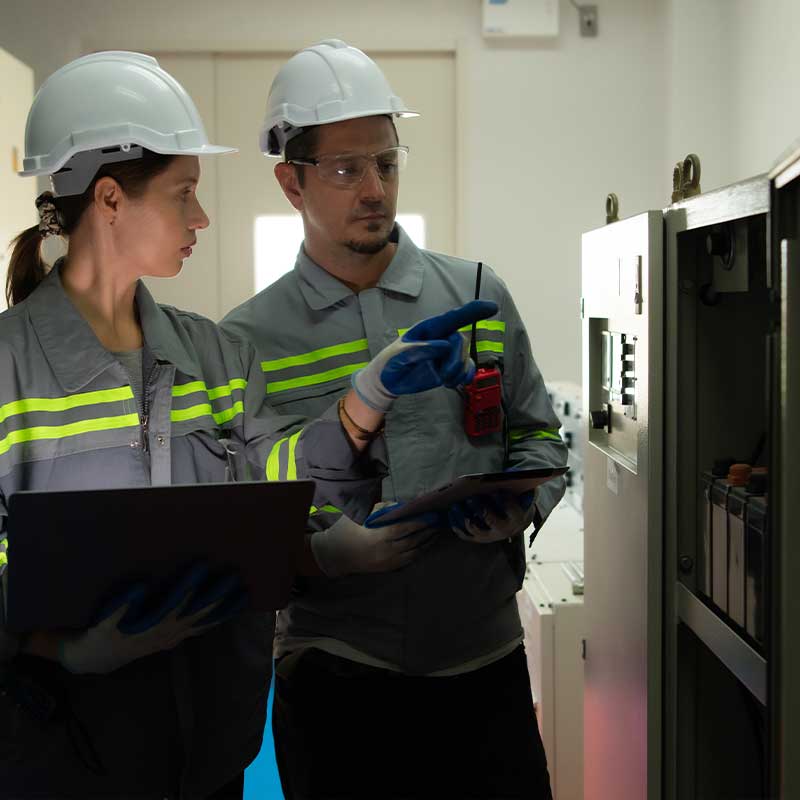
<point x="371" y="391"/>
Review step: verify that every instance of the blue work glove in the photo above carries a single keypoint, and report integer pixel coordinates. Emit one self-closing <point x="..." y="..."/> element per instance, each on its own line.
<point x="433" y="519"/>
<point x="432" y="353"/>
<point x="484" y="519"/>
<point x="131" y="626"/>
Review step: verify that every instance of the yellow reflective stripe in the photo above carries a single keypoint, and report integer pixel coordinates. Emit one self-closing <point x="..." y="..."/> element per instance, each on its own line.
<point x="551" y="434"/>
<point x="315" y="355"/>
<point x="326" y="508"/>
<point x="492" y="347"/>
<point x="71" y="429"/>
<point x="205" y="410"/>
<point x="274" y="461"/>
<point x="490" y="325"/>
<point x="483" y="325"/>
<point x="291" y="473"/>
<point x="311" y="380"/>
<point x="3" y="559"/>
<point x="65" y="403"/>
<point x="218" y="391"/>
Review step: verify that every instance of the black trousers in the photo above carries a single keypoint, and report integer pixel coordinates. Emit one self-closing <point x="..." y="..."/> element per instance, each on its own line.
<point x="345" y="730"/>
<point x="231" y="791"/>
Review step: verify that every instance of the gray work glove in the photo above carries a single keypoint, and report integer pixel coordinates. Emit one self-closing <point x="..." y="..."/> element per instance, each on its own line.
<point x="126" y="633"/>
<point x="348" y="548"/>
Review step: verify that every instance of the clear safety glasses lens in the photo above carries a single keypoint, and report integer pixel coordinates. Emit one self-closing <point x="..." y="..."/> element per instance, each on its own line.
<point x="349" y="170"/>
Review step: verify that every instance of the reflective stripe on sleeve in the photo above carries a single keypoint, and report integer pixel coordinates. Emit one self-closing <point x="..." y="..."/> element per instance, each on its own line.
<point x="545" y="434"/>
<point x="274" y="471"/>
<point x="291" y="468"/>
<point x="324" y="509"/>
<point x="273" y="460"/>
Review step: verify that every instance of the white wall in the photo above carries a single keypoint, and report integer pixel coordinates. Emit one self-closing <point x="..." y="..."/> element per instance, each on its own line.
<point x="766" y="80"/>
<point x="545" y="130"/>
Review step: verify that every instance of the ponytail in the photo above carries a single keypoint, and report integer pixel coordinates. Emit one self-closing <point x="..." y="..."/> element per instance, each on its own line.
<point x="26" y="270"/>
<point x="60" y="216"/>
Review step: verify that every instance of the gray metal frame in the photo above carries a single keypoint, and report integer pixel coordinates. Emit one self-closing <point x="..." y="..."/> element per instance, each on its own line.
<point x="746" y="199"/>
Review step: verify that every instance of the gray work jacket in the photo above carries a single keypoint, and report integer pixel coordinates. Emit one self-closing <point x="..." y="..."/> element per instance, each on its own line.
<point x="179" y="723"/>
<point x="456" y="603"/>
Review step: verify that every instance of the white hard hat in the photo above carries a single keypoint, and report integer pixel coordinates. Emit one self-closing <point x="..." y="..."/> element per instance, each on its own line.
<point x="103" y="108"/>
<point x="327" y="82"/>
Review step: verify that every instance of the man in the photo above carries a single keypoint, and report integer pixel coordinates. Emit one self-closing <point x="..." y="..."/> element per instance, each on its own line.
<point x="411" y="680"/>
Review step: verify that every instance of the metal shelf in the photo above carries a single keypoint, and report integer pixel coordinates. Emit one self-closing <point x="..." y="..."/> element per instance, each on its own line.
<point x="737" y="655"/>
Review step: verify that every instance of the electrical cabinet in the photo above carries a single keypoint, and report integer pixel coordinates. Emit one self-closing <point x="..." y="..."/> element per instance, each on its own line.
<point x="690" y="681"/>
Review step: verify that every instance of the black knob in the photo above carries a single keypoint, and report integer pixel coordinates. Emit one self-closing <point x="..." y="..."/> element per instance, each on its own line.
<point x="686" y="564"/>
<point x="720" y="243"/>
<point x="709" y="296"/>
<point x="599" y="419"/>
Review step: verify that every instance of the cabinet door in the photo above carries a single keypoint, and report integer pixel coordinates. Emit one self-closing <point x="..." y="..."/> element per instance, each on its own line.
<point x="17" y="195"/>
<point x="785" y="772"/>
<point x="622" y="277"/>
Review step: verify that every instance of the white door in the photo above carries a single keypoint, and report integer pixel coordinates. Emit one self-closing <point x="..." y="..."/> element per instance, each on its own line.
<point x="240" y="192"/>
<point x="17" y="195"/>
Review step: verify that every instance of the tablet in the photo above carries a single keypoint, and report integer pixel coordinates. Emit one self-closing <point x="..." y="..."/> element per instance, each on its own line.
<point x="70" y="551"/>
<point x="441" y="498"/>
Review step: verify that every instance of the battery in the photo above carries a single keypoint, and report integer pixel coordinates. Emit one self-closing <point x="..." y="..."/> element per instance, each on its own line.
<point x="756" y="531"/>
<point x="719" y="543"/>
<point x="737" y="510"/>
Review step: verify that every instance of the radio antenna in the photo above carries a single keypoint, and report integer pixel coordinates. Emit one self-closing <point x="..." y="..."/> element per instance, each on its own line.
<point x="473" y="345"/>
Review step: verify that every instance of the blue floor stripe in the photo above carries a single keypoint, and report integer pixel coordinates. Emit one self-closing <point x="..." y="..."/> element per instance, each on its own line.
<point x="261" y="781"/>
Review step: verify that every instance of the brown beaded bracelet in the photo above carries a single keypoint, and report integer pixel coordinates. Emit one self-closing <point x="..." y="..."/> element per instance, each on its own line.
<point x="363" y="434"/>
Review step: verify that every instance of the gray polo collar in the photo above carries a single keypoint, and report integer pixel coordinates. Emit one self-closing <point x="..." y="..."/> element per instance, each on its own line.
<point x="75" y="353"/>
<point x="404" y="275"/>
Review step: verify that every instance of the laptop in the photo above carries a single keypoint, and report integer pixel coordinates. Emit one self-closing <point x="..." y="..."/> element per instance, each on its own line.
<point x="70" y="552"/>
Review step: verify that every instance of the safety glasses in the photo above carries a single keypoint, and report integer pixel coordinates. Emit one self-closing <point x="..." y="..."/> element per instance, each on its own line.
<point x="348" y="169"/>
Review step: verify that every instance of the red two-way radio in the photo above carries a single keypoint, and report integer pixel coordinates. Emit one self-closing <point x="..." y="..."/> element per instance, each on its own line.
<point x="483" y="399"/>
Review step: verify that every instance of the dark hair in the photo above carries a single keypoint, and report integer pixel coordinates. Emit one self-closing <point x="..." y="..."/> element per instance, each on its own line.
<point x="303" y="145"/>
<point x="26" y="270"/>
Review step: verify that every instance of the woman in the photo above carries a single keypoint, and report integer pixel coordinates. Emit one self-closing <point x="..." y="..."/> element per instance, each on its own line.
<point x="100" y="387"/>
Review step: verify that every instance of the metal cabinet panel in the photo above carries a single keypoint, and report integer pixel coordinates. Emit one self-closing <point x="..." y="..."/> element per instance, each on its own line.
<point x="622" y="269"/>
